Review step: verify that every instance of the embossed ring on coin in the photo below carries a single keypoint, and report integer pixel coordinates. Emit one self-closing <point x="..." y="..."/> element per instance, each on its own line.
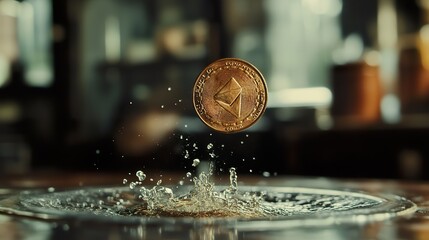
<point x="230" y="95"/>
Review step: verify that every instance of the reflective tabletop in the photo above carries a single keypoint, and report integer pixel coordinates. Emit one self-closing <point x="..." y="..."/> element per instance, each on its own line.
<point x="410" y="224"/>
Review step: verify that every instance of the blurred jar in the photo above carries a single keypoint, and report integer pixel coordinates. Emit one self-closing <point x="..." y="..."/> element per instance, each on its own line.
<point x="357" y="92"/>
<point x="414" y="75"/>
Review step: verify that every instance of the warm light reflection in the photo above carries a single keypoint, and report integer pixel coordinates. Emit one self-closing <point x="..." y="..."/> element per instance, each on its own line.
<point x="301" y="37"/>
<point x="327" y="7"/>
<point x="112" y="39"/>
<point x="8" y="7"/>
<point x="34" y="33"/>
<point x="300" y="97"/>
<point x="423" y="44"/>
<point x="4" y="71"/>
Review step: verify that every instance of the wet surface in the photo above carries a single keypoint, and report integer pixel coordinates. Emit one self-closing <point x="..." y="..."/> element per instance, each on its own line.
<point x="281" y="204"/>
<point x="398" y="221"/>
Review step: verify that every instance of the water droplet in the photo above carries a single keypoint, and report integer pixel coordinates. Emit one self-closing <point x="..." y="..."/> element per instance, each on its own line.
<point x="209" y="146"/>
<point x="247" y="135"/>
<point x="253" y="158"/>
<point x="181" y="182"/>
<point x="181" y="136"/>
<point x="124" y="181"/>
<point x="266" y="174"/>
<point x="241" y="142"/>
<point x="132" y="185"/>
<point x="233" y="180"/>
<point x="97" y="151"/>
<point x="51" y="189"/>
<point x="141" y="175"/>
<point x="186" y="154"/>
<point x="151" y="179"/>
<point x="196" y="162"/>
<point x="180" y="100"/>
<point x="162" y="106"/>
<point x="66" y="227"/>
<point x="131" y="103"/>
<point x="186" y="125"/>
<point x="169" y="88"/>
<point x="188" y="174"/>
<point x="250" y="170"/>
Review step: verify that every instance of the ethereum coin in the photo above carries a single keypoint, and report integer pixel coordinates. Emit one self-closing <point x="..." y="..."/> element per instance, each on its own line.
<point x="230" y="95"/>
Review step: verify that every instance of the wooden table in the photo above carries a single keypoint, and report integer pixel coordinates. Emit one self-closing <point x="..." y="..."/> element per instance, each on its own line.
<point x="411" y="226"/>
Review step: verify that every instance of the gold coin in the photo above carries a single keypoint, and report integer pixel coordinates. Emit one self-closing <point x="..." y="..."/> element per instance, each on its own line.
<point x="230" y="95"/>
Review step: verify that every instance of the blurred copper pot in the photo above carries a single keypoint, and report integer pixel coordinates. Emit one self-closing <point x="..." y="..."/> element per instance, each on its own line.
<point x="356" y="93"/>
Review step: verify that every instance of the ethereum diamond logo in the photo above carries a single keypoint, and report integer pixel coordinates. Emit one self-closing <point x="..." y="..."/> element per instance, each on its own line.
<point x="229" y="97"/>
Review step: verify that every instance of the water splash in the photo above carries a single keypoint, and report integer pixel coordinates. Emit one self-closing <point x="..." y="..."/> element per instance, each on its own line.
<point x="201" y="201"/>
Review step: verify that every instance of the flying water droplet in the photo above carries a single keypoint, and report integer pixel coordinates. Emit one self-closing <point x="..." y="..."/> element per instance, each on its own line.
<point x="188" y="174"/>
<point x="141" y="175"/>
<point x="233" y="180"/>
<point x="196" y="162"/>
<point x="210" y="146"/>
<point x="124" y="181"/>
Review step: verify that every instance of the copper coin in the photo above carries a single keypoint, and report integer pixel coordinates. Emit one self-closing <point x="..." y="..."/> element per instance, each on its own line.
<point x="230" y="95"/>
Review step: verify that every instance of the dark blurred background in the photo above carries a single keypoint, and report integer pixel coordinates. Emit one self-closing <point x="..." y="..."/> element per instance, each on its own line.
<point x="106" y="85"/>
